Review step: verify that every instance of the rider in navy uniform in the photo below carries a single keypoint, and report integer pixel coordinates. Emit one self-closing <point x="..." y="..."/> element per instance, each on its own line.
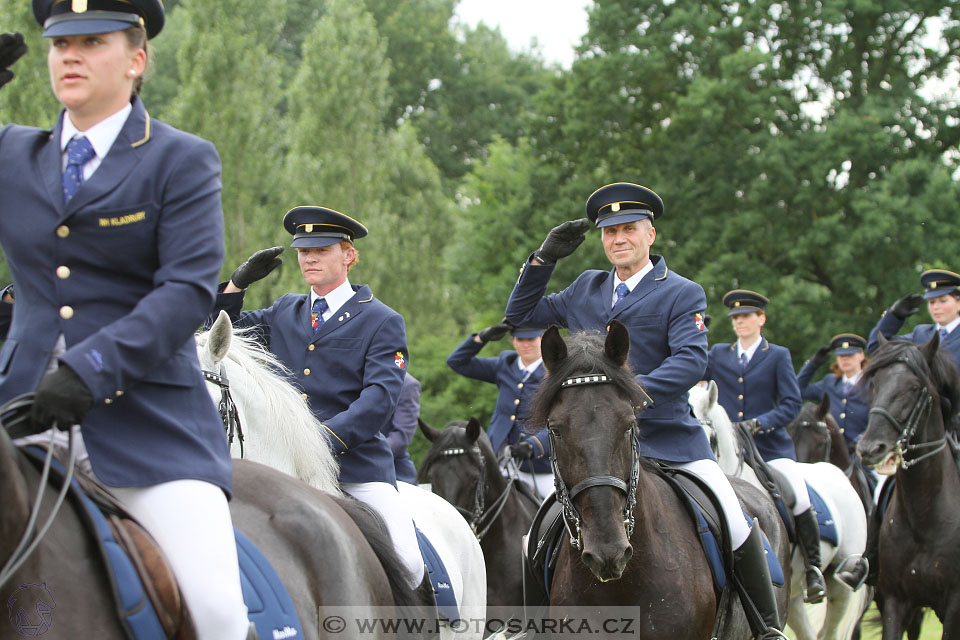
<point x="942" y="293"/>
<point x="112" y="226"/>
<point x="849" y="404"/>
<point x="668" y="347"/>
<point x="758" y="388"/>
<point x="348" y="354"/>
<point x="517" y="375"/>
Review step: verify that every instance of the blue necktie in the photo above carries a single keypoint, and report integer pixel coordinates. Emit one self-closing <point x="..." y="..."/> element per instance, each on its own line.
<point x="79" y="152"/>
<point x="943" y="334"/>
<point x="743" y="362"/>
<point x="846" y="387"/>
<point x="316" y="317"/>
<point x="622" y="292"/>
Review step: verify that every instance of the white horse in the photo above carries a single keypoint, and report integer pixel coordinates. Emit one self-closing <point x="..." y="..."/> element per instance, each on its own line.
<point x="280" y="431"/>
<point x="842" y="608"/>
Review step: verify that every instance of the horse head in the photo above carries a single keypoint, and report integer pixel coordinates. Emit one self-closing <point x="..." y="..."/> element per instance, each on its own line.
<point x="587" y="402"/>
<point x="913" y="389"/>
<point x="460" y="466"/>
<point x="810" y="433"/>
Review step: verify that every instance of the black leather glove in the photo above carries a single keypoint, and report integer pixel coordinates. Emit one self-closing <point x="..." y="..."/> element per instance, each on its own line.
<point x="494" y="333"/>
<point x="61" y="396"/>
<point x="523" y="450"/>
<point x="821" y="356"/>
<point x="257" y="267"/>
<point x="751" y="425"/>
<point x="906" y="306"/>
<point x="12" y="48"/>
<point x="562" y="240"/>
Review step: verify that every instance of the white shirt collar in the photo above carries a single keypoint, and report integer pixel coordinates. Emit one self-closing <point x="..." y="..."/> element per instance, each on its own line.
<point x="950" y="327"/>
<point x="633" y="280"/>
<point x="101" y="135"/>
<point x="852" y="380"/>
<point x="335" y="299"/>
<point x="533" y="365"/>
<point x="752" y="350"/>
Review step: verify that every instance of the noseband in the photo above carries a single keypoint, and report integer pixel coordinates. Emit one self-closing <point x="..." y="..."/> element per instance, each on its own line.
<point x="479" y="518"/>
<point x="919" y="411"/>
<point x="227" y="407"/>
<point x="571" y="517"/>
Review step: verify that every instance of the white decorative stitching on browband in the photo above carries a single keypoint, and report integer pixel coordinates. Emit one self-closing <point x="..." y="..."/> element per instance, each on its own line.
<point x="598" y="378"/>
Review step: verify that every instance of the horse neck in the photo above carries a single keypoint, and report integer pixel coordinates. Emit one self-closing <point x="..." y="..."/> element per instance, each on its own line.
<point x="13" y="489"/>
<point x="728" y="451"/>
<point x="839" y="455"/>
<point x="930" y="488"/>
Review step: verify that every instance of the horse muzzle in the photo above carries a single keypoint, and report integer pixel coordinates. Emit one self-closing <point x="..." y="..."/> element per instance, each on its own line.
<point x="874" y="452"/>
<point x="607" y="561"/>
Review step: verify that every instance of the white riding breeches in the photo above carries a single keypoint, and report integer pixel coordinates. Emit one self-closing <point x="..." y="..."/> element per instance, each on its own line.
<point x="789" y="468"/>
<point x="190" y="520"/>
<point x="542" y="483"/>
<point x="711" y="473"/>
<point x="388" y="502"/>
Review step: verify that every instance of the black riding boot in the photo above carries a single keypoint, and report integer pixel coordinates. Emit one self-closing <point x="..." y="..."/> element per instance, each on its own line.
<point x="808" y="537"/>
<point x="866" y="569"/>
<point x="751" y="570"/>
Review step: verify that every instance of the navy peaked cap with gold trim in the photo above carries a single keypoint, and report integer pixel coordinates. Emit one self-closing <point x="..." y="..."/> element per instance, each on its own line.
<point x="320" y="227"/>
<point x="939" y="282"/>
<point x="847" y="344"/>
<point x="622" y="202"/>
<point x="744" y="301"/>
<point x="83" y="17"/>
<point x="526" y="333"/>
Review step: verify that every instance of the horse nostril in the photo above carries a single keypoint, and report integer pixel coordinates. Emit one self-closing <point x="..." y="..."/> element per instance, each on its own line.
<point x="872" y="450"/>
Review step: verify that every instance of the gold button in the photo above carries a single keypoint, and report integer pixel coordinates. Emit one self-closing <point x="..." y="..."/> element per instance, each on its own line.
<point x="844" y="401"/>
<point x="740" y="397"/>
<point x="739" y="379"/>
<point x="66" y="312"/>
<point x="118" y="393"/>
<point x="108" y="401"/>
<point x="740" y="414"/>
<point x="311" y="347"/>
<point x="304" y="396"/>
<point x="841" y="429"/>
<point x="63" y="231"/>
<point x="513" y="417"/>
<point x="306" y="372"/>
<point x="63" y="272"/>
<point x="517" y="401"/>
<point x="842" y="416"/>
<point x="520" y="386"/>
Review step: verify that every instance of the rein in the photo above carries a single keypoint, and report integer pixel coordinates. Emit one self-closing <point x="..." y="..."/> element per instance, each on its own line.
<point x="571" y="517"/>
<point x="919" y="410"/>
<point x="20" y="406"/>
<point x="227" y="407"/>
<point x="479" y="518"/>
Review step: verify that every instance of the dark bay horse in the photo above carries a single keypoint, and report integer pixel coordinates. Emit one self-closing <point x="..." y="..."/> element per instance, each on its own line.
<point x="284" y="517"/>
<point x="817" y="438"/>
<point x="915" y="391"/>
<point x="632" y="549"/>
<point x="462" y="468"/>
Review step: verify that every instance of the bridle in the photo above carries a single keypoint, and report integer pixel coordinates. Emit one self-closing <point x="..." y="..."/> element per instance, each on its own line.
<point x="919" y="411"/>
<point x="227" y="407"/>
<point x="820" y="425"/>
<point x="479" y="518"/>
<point x="571" y="517"/>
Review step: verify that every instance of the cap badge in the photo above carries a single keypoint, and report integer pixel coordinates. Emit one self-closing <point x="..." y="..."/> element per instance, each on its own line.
<point x="845" y="345"/>
<point x="79" y="6"/>
<point x="615" y="206"/>
<point x="736" y="304"/>
<point x="308" y="228"/>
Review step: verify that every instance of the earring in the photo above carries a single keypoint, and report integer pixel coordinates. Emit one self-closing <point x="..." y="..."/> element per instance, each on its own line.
<point x="132" y="72"/>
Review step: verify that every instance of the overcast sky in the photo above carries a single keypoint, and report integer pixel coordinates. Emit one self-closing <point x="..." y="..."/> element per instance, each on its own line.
<point x="557" y="25"/>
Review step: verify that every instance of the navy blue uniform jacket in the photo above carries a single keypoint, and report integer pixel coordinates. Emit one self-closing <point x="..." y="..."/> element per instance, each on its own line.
<point x="767" y="391"/>
<point x="513" y="398"/>
<point x="399" y="431"/>
<point x="351" y="371"/>
<point x="890" y="324"/>
<point x="668" y="342"/>
<point x="127" y="272"/>
<point x="851" y="410"/>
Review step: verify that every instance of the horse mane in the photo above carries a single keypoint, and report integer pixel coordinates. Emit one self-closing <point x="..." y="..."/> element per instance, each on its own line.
<point x="584" y="356"/>
<point x="450" y="439"/>
<point x="298" y="431"/>
<point x="942" y="372"/>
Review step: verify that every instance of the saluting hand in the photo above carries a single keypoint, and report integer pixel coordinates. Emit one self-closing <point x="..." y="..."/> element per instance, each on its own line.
<point x="494" y="333"/>
<point x="821" y="356"/>
<point x="907" y="305"/>
<point x="257" y="267"/>
<point x="12" y="48"/>
<point x="562" y="240"/>
<point x="61" y="396"/>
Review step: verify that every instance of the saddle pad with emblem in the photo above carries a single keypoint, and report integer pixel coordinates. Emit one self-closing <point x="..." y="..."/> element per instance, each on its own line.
<point x="828" y="527"/>
<point x="440" y="579"/>
<point x="268" y="603"/>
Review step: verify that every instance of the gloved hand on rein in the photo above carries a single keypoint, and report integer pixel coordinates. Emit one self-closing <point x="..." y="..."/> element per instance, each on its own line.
<point x="61" y="398"/>
<point x="523" y="450"/>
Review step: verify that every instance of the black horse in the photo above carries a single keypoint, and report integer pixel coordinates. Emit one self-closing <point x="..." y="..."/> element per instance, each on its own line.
<point x="915" y="391"/>
<point x="632" y="544"/>
<point x="817" y="438"/>
<point x="462" y="468"/>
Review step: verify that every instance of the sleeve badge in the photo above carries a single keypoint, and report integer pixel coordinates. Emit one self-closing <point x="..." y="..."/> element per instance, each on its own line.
<point x="699" y="320"/>
<point x="399" y="361"/>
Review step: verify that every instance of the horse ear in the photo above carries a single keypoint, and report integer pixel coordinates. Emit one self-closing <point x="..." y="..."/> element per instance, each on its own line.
<point x="713" y="392"/>
<point x="428" y="432"/>
<point x="220" y="336"/>
<point x="552" y="348"/>
<point x="929" y="350"/>
<point x="617" y="345"/>
<point x="823" y="408"/>
<point x="473" y="429"/>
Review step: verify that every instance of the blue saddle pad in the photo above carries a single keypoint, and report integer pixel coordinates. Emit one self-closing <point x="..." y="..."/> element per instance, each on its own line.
<point x="269" y="605"/>
<point x="440" y="579"/>
<point x="828" y="528"/>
